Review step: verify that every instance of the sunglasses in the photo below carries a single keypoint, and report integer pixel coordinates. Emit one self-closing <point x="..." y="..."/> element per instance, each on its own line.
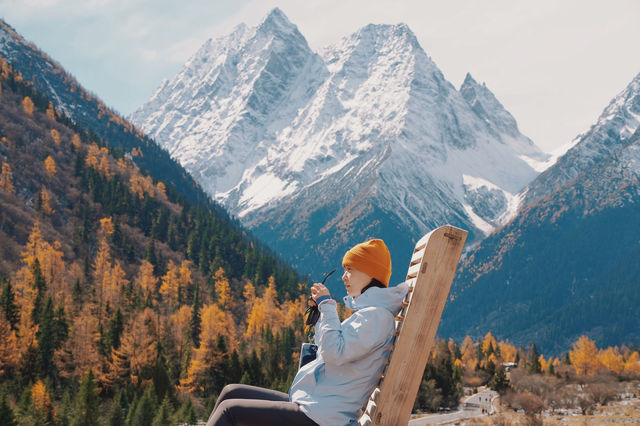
<point x="312" y="312"/>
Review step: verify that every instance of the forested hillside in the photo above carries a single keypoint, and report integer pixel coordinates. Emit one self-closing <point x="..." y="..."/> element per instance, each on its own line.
<point x="113" y="281"/>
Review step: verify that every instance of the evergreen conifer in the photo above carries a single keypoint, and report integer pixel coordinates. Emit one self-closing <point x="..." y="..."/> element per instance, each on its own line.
<point x="86" y="410"/>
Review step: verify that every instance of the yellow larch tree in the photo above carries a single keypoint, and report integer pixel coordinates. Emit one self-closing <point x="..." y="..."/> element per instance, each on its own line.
<point x="55" y="135"/>
<point x="27" y="105"/>
<point x="51" y="112"/>
<point x="46" y="201"/>
<point x="117" y="280"/>
<point x="34" y="246"/>
<point x="544" y="364"/>
<point x="50" y="165"/>
<point x="206" y="357"/>
<point x="180" y="323"/>
<point x="75" y="141"/>
<point x="44" y="411"/>
<point x="161" y="191"/>
<point x="185" y="276"/>
<point x="223" y="290"/>
<point x="93" y="156"/>
<point x="104" y="167"/>
<point x="147" y="281"/>
<point x="272" y="310"/>
<point x="53" y="268"/>
<point x="249" y="295"/>
<point x="489" y="343"/>
<point x="170" y="282"/>
<point x="216" y="321"/>
<point x="149" y="187"/>
<point x="122" y="165"/>
<point x="293" y="310"/>
<point x="80" y="350"/>
<point x="584" y="356"/>
<point x="27" y="331"/>
<point x="612" y="360"/>
<point x="632" y="364"/>
<point x="135" y="184"/>
<point x="507" y="351"/>
<point x="25" y="292"/>
<point x="9" y="352"/>
<point x="6" y="181"/>
<point x="49" y="256"/>
<point x="469" y="355"/>
<point x="138" y="348"/>
<point x="102" y="266"/>
<point x="256" y="320"/>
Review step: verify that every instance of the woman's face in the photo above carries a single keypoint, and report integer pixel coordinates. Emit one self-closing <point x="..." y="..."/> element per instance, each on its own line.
<point x="354" y="280"/>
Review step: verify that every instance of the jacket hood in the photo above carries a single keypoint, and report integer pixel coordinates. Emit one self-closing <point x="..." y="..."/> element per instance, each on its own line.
<point x="389" y="298"/>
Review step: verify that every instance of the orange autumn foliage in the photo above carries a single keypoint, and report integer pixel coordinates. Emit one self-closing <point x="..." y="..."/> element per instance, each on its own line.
<point x="6" y="181"/>
<point x="80" y="350"/>
<point x="27" y="105"/>
<point x="584" y="356"/>
<point x="9" y="353"/>
<point x="146" y="279"/>
<point x="55" y="135"/>
<point x="50" y="165"/>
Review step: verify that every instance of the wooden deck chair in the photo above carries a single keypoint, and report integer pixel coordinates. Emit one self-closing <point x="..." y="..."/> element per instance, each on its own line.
<point x="431" y="271"/>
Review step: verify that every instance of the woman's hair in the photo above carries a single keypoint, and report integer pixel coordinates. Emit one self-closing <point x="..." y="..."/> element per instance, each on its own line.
<point x="374" y="283"/>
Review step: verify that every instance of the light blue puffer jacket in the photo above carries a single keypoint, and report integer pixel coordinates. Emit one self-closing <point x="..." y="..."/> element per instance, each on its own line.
<point x="351" y="356"/>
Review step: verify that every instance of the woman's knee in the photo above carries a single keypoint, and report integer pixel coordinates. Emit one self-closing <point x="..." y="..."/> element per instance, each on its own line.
<point x="229" y="392"/>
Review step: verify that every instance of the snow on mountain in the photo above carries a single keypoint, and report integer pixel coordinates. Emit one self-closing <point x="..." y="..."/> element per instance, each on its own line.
<point x="219" y="115"/>
<point x="368" y="124"/>
<point x="617" y="123"/>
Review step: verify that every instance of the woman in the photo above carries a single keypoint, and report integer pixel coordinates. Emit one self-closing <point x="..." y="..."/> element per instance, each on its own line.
<point x="351" y="355"/>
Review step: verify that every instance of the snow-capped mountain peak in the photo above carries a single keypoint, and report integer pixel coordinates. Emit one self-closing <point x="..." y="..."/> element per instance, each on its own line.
<point x="367" y="130"/>
<point x="277" y="22"/>
<point x="616" y="124"/>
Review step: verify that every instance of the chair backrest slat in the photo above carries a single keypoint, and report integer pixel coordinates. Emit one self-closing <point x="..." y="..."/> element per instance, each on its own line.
<point x="431" y="270"/>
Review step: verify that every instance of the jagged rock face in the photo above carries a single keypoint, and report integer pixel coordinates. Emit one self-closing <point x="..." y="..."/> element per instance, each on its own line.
<point x="565" y="265"/>
<point x="317" y="151"/>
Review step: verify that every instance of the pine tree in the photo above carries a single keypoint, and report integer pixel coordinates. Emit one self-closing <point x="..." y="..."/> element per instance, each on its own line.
<point x="196" y="319"/>
<point x="115" y="329"/>
<point x="163" y="418"/>
<point x="65" y="409"/>
<point x="187" y="413"/>
<point x="146" y="408"/>
<point x="116" y="412"/>
<point x="533" y="363"/>
<point x="53" y="330"/>
<point x="8" y="305"/>
<point x="234" y="373"/>
<point x="40" y="286"/>
<point x="86" y="410"/>
<point x="7" y="416"/>
<point x="500" y="383"/>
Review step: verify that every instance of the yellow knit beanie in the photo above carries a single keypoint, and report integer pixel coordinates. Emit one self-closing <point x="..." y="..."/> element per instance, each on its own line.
<point x="372" y="258"/>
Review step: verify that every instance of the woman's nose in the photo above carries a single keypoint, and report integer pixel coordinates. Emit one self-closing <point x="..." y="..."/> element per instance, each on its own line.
<point x="344" y="276"/>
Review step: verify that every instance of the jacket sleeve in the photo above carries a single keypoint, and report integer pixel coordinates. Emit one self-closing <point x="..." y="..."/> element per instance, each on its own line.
<point x="364" y="331"/>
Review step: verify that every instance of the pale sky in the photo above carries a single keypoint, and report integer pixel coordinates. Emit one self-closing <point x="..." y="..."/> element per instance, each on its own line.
<point x="553" y="64"/>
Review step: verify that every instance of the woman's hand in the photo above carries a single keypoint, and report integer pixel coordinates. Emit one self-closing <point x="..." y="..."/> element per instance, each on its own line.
<point x="318" y="290"/>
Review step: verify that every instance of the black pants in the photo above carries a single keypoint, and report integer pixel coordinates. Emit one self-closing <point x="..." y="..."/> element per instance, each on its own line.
<point x="243" y="405"/>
